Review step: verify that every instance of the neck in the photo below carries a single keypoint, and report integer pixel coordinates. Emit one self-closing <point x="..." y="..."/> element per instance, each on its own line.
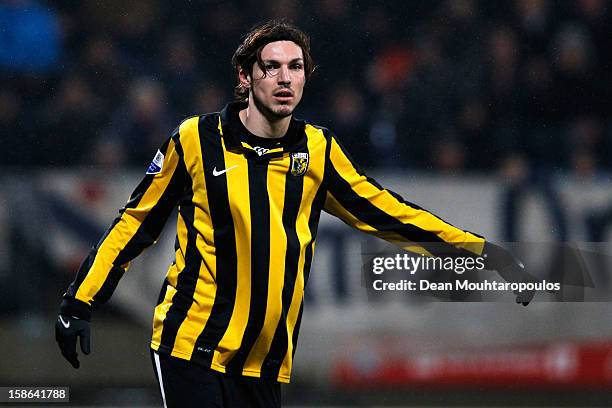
<point x="261" y="125"/>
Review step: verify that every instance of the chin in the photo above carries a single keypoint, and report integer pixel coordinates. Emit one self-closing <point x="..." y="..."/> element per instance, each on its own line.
<point x="281" y="111"/>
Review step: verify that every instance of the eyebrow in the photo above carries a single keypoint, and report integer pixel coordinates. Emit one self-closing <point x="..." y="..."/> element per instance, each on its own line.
<point x="292" y="61"/>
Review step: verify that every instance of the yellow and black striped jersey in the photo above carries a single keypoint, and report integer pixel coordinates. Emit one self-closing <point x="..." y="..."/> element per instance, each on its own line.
<point x="233" y="298"/>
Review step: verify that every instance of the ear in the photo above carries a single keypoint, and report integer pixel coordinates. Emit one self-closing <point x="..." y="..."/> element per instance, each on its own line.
<point x="244" y="78"/>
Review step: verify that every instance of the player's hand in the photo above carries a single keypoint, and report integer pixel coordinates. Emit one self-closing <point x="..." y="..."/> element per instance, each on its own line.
<point x="510" y="269"/>
<point x="67" y="329"/>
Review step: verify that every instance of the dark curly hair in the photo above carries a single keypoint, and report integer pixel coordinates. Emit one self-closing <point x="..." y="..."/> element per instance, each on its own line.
<point x="249" y="52"/>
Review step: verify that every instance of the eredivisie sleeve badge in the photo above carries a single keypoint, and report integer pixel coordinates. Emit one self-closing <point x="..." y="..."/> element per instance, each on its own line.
<point x="299" y="164"/>
<point x="157" y="164"/>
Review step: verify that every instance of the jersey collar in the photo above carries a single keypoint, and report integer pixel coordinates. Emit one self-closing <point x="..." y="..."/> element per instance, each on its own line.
<point x="231" y="128"/>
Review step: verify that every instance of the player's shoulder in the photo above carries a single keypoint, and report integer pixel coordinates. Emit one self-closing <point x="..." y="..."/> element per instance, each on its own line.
<point x="315" y="130"/>
<point x="196" y="126"/>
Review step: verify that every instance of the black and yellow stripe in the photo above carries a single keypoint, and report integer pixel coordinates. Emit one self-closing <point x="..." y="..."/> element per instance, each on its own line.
<point x="233" y="298"/>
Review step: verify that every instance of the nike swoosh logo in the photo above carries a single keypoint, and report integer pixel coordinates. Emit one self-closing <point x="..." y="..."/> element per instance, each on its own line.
<point x="220" y="172"/>
<point x="65" y="324"/>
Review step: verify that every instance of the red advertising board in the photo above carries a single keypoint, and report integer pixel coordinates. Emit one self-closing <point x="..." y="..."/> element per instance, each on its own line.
<point x="579" y="365"/>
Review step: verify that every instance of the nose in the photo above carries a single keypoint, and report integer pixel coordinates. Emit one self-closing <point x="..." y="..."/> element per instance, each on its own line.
<point x="284" y="75"/>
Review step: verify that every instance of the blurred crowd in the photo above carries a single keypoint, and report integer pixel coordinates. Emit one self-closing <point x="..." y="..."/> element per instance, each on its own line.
<point x="520" y="87"/>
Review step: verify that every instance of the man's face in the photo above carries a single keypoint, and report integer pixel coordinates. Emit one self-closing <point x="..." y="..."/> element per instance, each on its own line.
<point x="278" y="92"/>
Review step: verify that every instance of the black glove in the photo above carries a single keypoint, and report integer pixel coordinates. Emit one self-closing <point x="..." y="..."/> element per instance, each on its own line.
<point x="67" y="329"/>
<point x="509" y="268"/>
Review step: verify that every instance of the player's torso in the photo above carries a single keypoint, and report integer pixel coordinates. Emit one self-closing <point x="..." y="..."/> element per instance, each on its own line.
<point x="245" y="239"/>
<point x="244" y="192"/>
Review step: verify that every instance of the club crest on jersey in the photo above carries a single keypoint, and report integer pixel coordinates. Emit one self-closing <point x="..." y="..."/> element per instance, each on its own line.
<point x="299" y="164"/>
<point x="157" y="164"/>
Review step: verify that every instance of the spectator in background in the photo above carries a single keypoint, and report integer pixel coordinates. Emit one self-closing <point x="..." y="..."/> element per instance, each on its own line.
<point x="576" y="77"/>
<point x="102" y="65"/>
<point x="387" y="74"/>
<point x="460" y="33"/>
<point x="474" y="131"/>
<point x="595" y="16"/>
<point x="142" y="123"/>
<point x="526" y="148"/>
<point x="283" y="9"/>
<point x="11" y="125"/>
<point x="348" y="110"/>
<point x="137" y="30"/>
<point x="536" y="65"/>
<point x="585" y="136"/>
<point x="500" y="82"/>
<point x="448" y="154"/>
<point x="30" y="37"/>
<point x="534" y="23"/>
<point x="384" y="140"/>
<point x="208" y="97"/>
<point x="180" y="70"/>
<point x="217" y="24"/>
<point x="333" y="19"/>
<point x="426" y="101"/>
<point x="70" y="122"/>
<point x="539" y="111"/>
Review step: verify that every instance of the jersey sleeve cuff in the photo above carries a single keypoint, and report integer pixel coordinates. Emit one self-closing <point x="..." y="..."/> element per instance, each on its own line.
<point x="76" y="308"/>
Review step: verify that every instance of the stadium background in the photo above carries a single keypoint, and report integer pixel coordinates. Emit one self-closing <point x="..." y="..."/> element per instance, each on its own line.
<point x="495" y="115"/>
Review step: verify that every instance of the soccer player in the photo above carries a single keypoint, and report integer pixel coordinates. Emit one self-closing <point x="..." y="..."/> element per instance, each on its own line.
<point x="249" y="183"/>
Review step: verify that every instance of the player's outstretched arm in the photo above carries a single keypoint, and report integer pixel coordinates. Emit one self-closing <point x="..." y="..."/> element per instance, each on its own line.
<point x="363" y="204"/>
<point x="137" y="227"/>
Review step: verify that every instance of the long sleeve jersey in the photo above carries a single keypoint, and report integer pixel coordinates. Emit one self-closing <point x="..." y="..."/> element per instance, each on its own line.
<point x="232" y="300"/>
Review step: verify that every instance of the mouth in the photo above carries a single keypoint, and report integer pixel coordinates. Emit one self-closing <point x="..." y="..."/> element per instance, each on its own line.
<point x="284" y="95"/>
